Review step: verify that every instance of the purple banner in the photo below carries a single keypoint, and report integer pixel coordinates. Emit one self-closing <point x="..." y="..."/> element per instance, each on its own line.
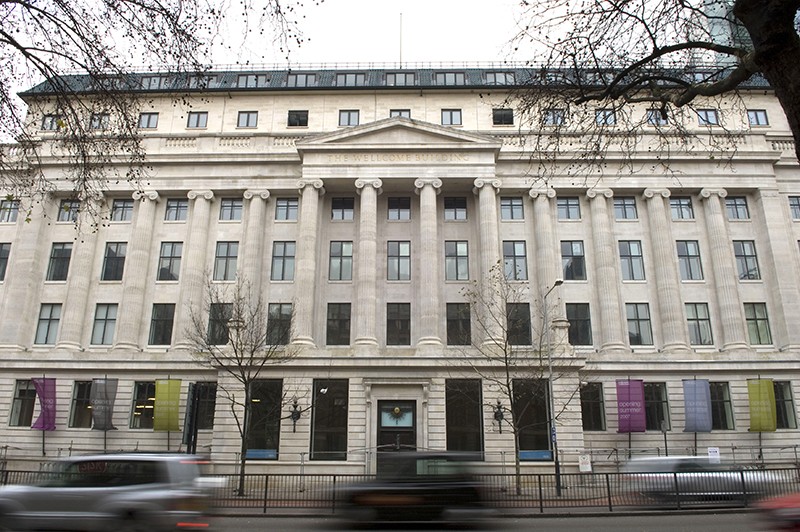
<point x="46" y="391"/>
<point x="697" y="405"/>
<point x="630" y="406"/>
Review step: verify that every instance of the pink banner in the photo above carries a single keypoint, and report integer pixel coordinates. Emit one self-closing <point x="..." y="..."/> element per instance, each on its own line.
<point x="46" y="391"/>
<point x="630" y="406"/>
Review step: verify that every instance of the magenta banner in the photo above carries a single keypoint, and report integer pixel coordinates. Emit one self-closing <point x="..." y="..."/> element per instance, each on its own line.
<point x="630" y="406"/>
<point x="46" y="391"/>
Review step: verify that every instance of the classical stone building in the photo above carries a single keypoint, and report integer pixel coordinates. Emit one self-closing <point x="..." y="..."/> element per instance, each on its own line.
<point x="361" y="204"/>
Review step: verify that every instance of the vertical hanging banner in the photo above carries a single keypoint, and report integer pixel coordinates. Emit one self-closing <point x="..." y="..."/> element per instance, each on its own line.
<point x="168" y="396"/>
<point x="630" y="406"/>
<point x="763" y="416"/>
<point x="46" y="391"/>
<point x="697" y="405"/>
<point x="102" y="397"/>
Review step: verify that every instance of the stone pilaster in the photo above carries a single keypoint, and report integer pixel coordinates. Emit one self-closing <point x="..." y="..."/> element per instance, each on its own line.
<point x="429" y="282"/>
<point x="306" y="270"/>
<point x="365" y="311"/>
<point x="548" y="267"/>
<point x="253" y="245"/>
<point x="487" y="191"/>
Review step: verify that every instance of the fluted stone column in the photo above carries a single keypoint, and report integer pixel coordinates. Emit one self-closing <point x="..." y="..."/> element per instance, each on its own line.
<point x="725" y="274"/>
<point x="487" y="191"/>
<point x="673" y="316"/>
<point x="366" y="269"/>
<point x="131" y="313"/>
<point x="195" y="272"/>
<point x="306" y="270"/>
<point x="253" y="245"/>
<point x="548" y="265"/>
<point x="430" y="280"/>
<point x="607" y="274"/>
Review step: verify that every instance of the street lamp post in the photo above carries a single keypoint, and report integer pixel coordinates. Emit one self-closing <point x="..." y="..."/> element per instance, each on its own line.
<point x="551" y="398"/>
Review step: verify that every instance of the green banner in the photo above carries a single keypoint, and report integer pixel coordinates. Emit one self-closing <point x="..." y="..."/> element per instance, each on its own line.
<point x="168" y="397"/>
<point x="761" y="393"/>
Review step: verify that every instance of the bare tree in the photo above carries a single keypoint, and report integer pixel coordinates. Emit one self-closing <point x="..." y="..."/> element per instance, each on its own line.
<point x="237" y="334"/>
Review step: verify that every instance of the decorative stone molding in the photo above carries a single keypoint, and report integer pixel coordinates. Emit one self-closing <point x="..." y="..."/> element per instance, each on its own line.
<point x="205" y="194"/>
<point x="250" y="194"/>
<point x="481" y="182"/>
<point x="708" y="192"/>
<point x="421" y="183"/>
<point x="650" y="193"/>
<point x="593" y="193"/>
<point x="314" y="183"/>
<point x="374" y="183"/>
<point x="141" y="195"/>
<point x="546" y="192"/>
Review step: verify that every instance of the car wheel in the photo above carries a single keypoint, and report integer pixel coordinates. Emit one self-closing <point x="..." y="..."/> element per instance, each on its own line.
<point x="132" y="523"/>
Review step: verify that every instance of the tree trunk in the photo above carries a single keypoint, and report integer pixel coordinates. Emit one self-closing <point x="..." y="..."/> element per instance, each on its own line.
<point x="245" y="434"/>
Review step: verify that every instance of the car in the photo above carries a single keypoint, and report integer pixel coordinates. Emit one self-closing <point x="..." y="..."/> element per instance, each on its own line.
<point x="782" y="512"/>
<point x="133" y="492"/>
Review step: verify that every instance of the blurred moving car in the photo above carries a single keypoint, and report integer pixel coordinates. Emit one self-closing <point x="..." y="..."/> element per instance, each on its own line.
<point x="781" y="513"/>
<point x="418" y="487"/>
<point x="121" y="492"/>
<point x="695" y="478"/>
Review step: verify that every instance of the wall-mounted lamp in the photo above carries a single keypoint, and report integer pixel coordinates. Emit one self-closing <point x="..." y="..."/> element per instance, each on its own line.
<point x="295" y="415"/>
<point x="498" y="415"/>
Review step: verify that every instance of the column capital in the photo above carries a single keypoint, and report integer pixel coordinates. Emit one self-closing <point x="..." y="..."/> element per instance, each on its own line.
<point x="708" y="192"/>
<point x="313" y="183"/>
<point x="593" y="193"/>
<point x="650" y="193"/>
<point x="422" y="182"/>
<point x="197" y="194"/>
<point x="374" y="183"/>
<point x="250" y="194"/>
<point x="542" y="192"/>
<point x="142" y="195"/>
<point x="481" y="182"/>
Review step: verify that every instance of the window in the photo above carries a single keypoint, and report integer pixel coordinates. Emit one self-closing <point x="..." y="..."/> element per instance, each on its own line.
<point x="283" y="261"/>
<point x="757" y="117"/>
<point x="68" y="210"/>
<point x="143" y="406"/>
<point x="746" y="259"/>
<point x="459" y="328"/>
<point x="340" y="266"/>
<point x="580" y="323"/>
<point x="514" y="260"/>
<point x="154" y="82"/>
<point x="699" y="321"/>
<point x="625" y="208"/>
<point x="47" y="326"/>
<point x="518" y="323"/>
<point x="279" y="323"/>
<point x="455" y="209"/>
<point x="755" y="315"/>
<point x="568" y="208"/>
<point x="114" y="261"/>
<point x="301" y="80"/>
<point x="122" y="210"/>
<point x="502" y="117"/>
<point x="707" y="117"/>
<point x="398" y="324"/>
<point x="177" y="209"/>
<point x="784" y="405"/>
<point x="250" y="81"/>
<point x="657" y="117"/>
<point x="532" y="414"/>
<point x="656" y="409"/>
<point x="449" y="78"/>
<point x="9" y="210"/>
<point x="247" y="119"/>
<point x="573" y="261"/>
<point x="297" y="118"/>
<point x="737" y="208"/>
<point x="225" y="261"/>
<point x="794" y="207"/>
<point x="230" y="209"/>
<point x="58" y="267"/>
<point x="398" y="260"/>
<point x="348" y="117"/>
<point x="403" y="113"/>
<point x="456" y="260"/>
<point x="689" y="263"/>
<point x="148" y="120"/>
<point x="400" y="79"/>
<point x="161" y="324"/>
<point x="105" y="321"/>
<point x="219" y="316"/>
<point x="5" y="251"/>
<point x="80" y="410"/>
<point x="197" y="120"/>
<point x="605" y="117"/>
<point x="500" y="78"/>
<point x="342" y="208"/>
<point x="511" y="209"/>
<point x="266" y="410"/>
<point x="169" y="261"/>
<point x="286" y="208"/>
<point x="464" y="415"/>
<point x="630" y="255"/>
<point x="99" y="121"/>
<point x="721" y="408"/>
<point x="681" y="208"/>
<point x="329" y="426"/>
<point x="23" y="404"/>
<point x="338" y="328"/>
<point x="399" y="208"/>
<point x="451" y="117"/>
<point x="640" y="331"/>
<point x="202" y="82"/>
<point x="351" y="79"/>
<point x="554" y="117"/>
<point x="204" y="395"/>
<point x="592" y="406"/>
<point x="52" y="122"/>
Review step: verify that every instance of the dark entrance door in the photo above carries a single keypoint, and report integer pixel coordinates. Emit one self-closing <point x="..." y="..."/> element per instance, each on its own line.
<point x="397" y="426"/>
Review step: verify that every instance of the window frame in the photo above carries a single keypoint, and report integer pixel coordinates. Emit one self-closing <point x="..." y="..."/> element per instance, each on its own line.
<point x="624" y="206"/>
<point x="518" y="324"/>
<point x="502" y="117"/>
<point x="455" y="208"/>
<point x="463" y="400"/>
<point x="284" y="254"/>
<point x="148" y="121"/>
<point x="297" y="118"/>
<point x="9" y="211"/>
<point x="114" y="265"/>
<point x="794" y="207"/>
<point x="176" y="210"/>
<point x="746" y="257"/>
<point x="279" y="323"/>
<point x="68" y="210"/>
<point x="690" y="262"/>
<point x="784" y="405"/>
<point x="450" y="78"/>
<point x="398" y="208"/>
<point x="656" y="406"/>
<point x="171" y="259"/>
<point x="230" y="209"/>
<point x="698" y="320"/>
<point x="47" y="325"/>
<point x="398" y="324"/>
<point x="104" y="324"/>
<point x="639" y="322"/>
<point x="349" y="117"/>
<point x="287" y="209"/>
<point x="657" y="118"/>
<point x="757" y="118"/>
<point x="554" y="117"/>
<point x="458" y="324"/>
<point x="60" y="258"/>
<point x="343" y="209"/>
<point x="162" y="322"/>
<point x="80" y="406"/>
<point x="593" y="413"/>
<point x="681" y="208"/>
<point x="568" y="208"/>
<point x="511" y="208"/>
<point x="340" y="260"/>
<point x="573" y="263"/>
<point x="707" y="117"/>
<point x="579" y="316"/>
<point x="142" y="405"/>
<point x="226" y="259"/>
<point x="515" y="260"/>
<point x="5" y="253"/>
<point x="605" y="117"/>
<point x="456" y="260"/>
<point x="122" y="210"/>
<point x="721" y="406"/>
<point x="247" y="120"/>
<point x="737" y="208"/>
<point x="631" y="258"/>
<point x="197" y="120"/>
<point x="329" y="419"/>
<point x="400" y="113"/>
<point x="398" y="260"/>
<point x="392" y="79"/>
<point x="23" y="404"/>
<point x="338" y="323"/>
<point x="756" y="317"/>
<point x="451" y="117"/>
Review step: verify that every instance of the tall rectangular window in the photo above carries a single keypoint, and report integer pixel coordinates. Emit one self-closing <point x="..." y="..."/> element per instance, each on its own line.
<point x="161" y="324"/>
<point x="283" y="254"/>
<point x="656" y="408"/>
<point x="338" y="326"/>
<point x="68" y="210"/>
<point x="105" y="321"/>
<point x="511" y="209"/>
<point x="348" y="117"/>
<point x="721" y="407"/>
<point x="518" y="323"/>
<point x="5" y="251"/>
<point x="247" y="119"/>
<point x="399" y="208"/>
<point x="515" y="261"/>
<point x="755" y="315"/>
<point x="455" y="208"/>
<point x="169" y="261"/>
<point x="580" y="323"/>
<point x="297" y="118"/>
<point x="398" y="260"/>
<point x="340" y="266"/>
<point x="568" y="208"/>
<point x="398" y="324"/>
<point x="794" y="207"/>
<point x="58" y="266"/>
<point x="746" y="259"/>
<point x="784" y="405"/>
<point x="532" y="414"/>
<point x="266" y="412"/>
<point x="502" y="117"/>
<point x="148" y="120"/>
<point x="757" y="117"/>
<point x="286" y="208"/>
<point x="114" y="261"/>
<point x="736" y="207"/>
<point x="689" y="262"/>
<point x="23" y="404"/>
<point x="459" y="326"/>
<point x="279" y="323"/>
<point x="464" y="415"/>
<point x="640" y="330"/>
<point x="9" y="211"/>
<point x="143" y="405"/>
<point x="219" y="316"/>
<point x="451" y="117"/>
<point x="632" y="261"/>
<point x="456" y="260"/>
<point x="681" y="208"/>
<point x="342" y="209"/>
<point x="122" y="210"/>
<point x="230" y="209"/>
<point x="47" y="326"/>
<point x="205" y="397"/>
<point x="80" y="409"/>
<point x="593" y="413"/>
<point x="176" y="210"/>
<point x="329" y="426"/>
<point x="225" y="261"/>
<point x="625" y="208"/>
<point x="699" y="322"/>
<point x="573" y="261"/>
<point x="197" y="120"/>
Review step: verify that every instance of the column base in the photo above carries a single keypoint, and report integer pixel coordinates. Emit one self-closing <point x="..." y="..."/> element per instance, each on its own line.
<point x="429" y="341"/>
<point x="126" y="346"/>
<point x="614" y="348"/>
<point x="306" y="341"/>
<point x="68" y="346"/>
<point x="676" y="348"/>
<point x="736" y="347"/>
<point x="367" y="341"/>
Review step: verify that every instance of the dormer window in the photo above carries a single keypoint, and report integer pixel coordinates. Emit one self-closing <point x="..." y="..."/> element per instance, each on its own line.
<point x="450" y="78"/>
<point x="351" y="79"/>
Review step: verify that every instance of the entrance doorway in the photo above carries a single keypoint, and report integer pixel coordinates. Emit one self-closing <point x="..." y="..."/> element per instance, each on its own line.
<point x="397" y="426"/>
